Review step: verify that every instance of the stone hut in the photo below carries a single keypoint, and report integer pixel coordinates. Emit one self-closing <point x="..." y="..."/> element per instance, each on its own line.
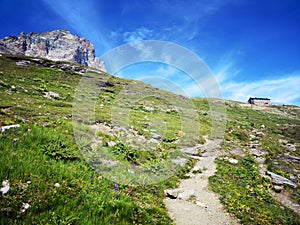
<point x="260" y="101"/>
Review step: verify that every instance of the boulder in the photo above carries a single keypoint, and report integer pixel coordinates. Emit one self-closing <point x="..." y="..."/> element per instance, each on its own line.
<point x="280" y="180"/>
<point x="179" y="193"/>
<point x="277" y="188"/>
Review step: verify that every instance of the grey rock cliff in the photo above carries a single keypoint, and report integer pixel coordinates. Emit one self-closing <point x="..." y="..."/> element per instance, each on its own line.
<point x="58" y="45"/>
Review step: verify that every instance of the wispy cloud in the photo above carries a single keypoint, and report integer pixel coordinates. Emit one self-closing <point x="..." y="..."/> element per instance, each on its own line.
<point x="138" y="34"/>
<point x="132" y="35"/>
<point x="282" y="90"/>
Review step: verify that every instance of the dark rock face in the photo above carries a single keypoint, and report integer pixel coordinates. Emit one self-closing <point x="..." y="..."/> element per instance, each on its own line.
<point x="58" y="45"/>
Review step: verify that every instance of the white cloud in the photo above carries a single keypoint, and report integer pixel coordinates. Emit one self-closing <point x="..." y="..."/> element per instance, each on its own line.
<point x="285" y="88"/>
<point x="138" y="34"/>
<point x="282" y="90"/>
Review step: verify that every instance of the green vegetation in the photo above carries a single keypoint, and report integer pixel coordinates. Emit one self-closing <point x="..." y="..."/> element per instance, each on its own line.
<point x="248" y="196"/>
<point x="45" y="167"/>
<point x="243" y="191"/>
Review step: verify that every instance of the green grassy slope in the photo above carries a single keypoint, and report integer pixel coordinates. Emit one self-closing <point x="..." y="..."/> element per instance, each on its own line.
<point x="45" y="168"/>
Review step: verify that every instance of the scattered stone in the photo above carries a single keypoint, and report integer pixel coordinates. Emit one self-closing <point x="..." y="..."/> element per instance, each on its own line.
<point x="57" y="185"/>
<point x="280" y="180"/>
<point x="4" y="128"/>
<point x="110" y="163"/>
<point x="292" y="178"/>
<point x="147" y="108"/>
<point x="260" y="160"/>
<point x="237" y="151"/>
<point x="277" y="188"/>
<point x="156" y="137"/>
<point x="284" y="142"/>
<point x="197" y="169"/>
<point x="51" y="94"/>
<point x="23" y="63"/>
<point x="252" y="136"/>
<point x="180" y="161"/>
<point x="230" y="160"/>
<point x="254" y="145"/>
<point x="201" y="204"/>
<point x="153" y="141"/>
<point x="291" y="147"/>
<point x="179" y="193"/>
<point x="185" y="195"/>
<point x="172" y="193"/>
<point x="258" y="153"/>
<point x="6" y="187"/>
<point x="233" y="161"/>
<point x="24" y="207"/>
<point x="292" y="158"/>
<point x="111" y="143"/>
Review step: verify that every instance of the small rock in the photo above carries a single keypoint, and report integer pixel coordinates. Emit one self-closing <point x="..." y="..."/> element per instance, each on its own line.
<point x="6" y="187"/>
<point x="292" y="178"/>
<point x="153" y="141"/>
<point x="157" y="137"/>
<point x="172" y="193"/>
<point x="197" y="169"/>
<point x="179" y="193"/>
<point x="260" y="160"/>
<point x="5" y="183"/>
<point x="111" y="143"/>
<point x="130" y="171"/>
<point x="201" y="204"/>
<point x="233" y="161"/>
<point x="280" y="180"/>
<point x="185" y="195"/>
<point x="110" y="163"/>
<point x="291" y="147"/>
<point x="291" y="157"/>
<point x="51" y="95"/>
<point x="277" y="188"/>
<point x="24" y="207"/>
<point x="282" y="141"/>
<point x="180" y="161"/>
<point x="4" y="128"/>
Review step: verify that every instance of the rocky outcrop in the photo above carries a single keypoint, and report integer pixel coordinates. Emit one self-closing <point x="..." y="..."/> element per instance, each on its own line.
<point x="280" y="180"/>
<point x="58" y="45"/>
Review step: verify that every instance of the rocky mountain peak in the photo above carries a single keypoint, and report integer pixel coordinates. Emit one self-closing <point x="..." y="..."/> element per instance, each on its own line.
<point x="57" y="45"/>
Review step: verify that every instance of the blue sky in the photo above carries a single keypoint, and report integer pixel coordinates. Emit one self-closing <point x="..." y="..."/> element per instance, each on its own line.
<point x="252" y="47"/>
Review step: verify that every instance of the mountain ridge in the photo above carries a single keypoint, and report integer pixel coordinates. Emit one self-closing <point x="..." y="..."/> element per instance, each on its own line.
<point x="57" y="45"/>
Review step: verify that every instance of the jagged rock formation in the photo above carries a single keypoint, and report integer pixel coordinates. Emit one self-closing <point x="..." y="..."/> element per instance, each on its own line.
<point x="58" y="45"/>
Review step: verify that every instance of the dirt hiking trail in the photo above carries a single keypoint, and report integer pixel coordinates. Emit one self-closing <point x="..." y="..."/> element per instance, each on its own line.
<point x="196" y="204"/>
